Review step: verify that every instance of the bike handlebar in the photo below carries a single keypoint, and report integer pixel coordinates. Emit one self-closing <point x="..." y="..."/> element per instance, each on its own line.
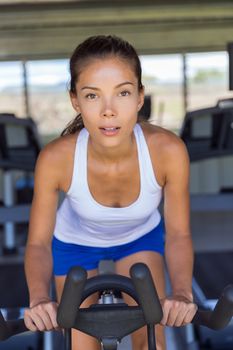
<point x="146" y="296"/>
<point x="147" y="293"/>
<point x="10" y="328"/>
<point x="222" y="313"/>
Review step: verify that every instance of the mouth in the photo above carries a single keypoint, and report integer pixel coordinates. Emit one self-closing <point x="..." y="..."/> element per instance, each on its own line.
<point x="110" y="128"/>
<point x="110" y="131"/>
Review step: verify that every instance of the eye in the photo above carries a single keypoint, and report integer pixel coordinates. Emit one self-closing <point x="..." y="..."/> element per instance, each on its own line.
<point x="125" y="93"/>
<point x="91" y="96"/>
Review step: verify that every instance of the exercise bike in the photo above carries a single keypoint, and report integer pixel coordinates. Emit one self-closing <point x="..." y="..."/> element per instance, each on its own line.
<point x="108" y="321"/>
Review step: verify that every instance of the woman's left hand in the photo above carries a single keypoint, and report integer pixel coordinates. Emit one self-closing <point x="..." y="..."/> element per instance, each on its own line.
<point x="177" y="311"/>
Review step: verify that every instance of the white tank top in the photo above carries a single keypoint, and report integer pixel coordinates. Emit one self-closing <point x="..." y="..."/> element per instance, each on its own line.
<point x="82" y="220"/>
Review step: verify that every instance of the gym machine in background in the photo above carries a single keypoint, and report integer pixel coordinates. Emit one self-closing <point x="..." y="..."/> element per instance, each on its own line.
<point x="230" y="55"/>
<point x="208" y="135"/>
<point x="19" y="148"/>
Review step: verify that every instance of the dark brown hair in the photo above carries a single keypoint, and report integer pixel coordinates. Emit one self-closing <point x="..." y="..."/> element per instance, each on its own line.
<point x="100" y="46"/>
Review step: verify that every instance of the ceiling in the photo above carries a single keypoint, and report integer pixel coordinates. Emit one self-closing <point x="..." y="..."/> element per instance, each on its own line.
<point x="51" y="29"/>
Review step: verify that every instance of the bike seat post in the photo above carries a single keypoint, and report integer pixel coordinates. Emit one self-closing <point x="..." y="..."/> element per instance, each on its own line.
<point x="151" y="337"/>
<point x="107" y="297"/>
<point x="67" y="337"/>
<point x="109" y="343"/>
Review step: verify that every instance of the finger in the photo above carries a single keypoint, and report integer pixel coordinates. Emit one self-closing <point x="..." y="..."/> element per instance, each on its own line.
<point x="173" y="313"/>
<point x="166" y="305"/>
<point x="39" y="323"/>
<point x="52" y="312"/>
<point x="29" y="323"/>
<point x="47" y="321"/>
<point x="181" y="315"/>
<point x="38" y="319"/>
<point x="41" y="316"/>
<point x="190" y="314"/>
<point x="185" y="314"/>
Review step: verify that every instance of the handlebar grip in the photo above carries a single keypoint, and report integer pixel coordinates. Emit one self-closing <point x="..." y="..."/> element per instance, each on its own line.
<point x="71" y="297"/>
<point x="147" y="294"/>
<point x="222" y="313"/>
<point x="9" y="328"/>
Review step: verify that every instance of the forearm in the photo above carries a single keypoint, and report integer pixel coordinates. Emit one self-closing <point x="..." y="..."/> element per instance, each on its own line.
<point x="38" y="269"/>
<point x="179" y="259"/>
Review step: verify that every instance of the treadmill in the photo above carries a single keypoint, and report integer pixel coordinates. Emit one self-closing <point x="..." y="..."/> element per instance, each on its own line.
<point x="208" y="135"/>
<point x="19" y="148"/>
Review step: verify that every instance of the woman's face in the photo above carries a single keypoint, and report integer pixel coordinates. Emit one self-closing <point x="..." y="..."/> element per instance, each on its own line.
<point x="108" y="99"/>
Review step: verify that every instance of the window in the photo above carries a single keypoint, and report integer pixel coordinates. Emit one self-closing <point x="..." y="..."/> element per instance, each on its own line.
<point x="162" y="77"/>
<point x="207" y="79"/>
<point x="49" y="98"/>
<point x="11" y="88"/>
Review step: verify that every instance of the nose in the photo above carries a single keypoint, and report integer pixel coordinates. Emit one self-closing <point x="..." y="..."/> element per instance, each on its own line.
<point x="108" y="113"/>
<point x="108" y="110"/>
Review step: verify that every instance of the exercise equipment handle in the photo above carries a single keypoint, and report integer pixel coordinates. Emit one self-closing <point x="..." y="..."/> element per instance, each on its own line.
<point x="10" y="328"/>
<point x="221" y="315"/>
<point x="71" y="296"/>
<point x="147" y="297"/>
<point x="147" y="294"/>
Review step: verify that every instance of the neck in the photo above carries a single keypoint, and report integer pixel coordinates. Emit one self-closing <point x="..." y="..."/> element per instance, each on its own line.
<point x="113" y="155"/>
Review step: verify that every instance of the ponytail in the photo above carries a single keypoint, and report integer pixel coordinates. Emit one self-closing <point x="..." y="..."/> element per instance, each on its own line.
<point x="74" y="125"/>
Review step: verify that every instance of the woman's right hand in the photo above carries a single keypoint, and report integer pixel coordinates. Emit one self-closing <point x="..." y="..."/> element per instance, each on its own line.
<point x="41" y="316"/>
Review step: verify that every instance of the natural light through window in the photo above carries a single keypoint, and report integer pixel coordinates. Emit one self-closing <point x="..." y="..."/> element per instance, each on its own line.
<point x="48" y="85"/>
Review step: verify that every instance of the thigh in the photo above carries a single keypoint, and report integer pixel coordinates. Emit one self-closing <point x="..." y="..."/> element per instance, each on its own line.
<point x="80" y="341"/>
<point x="60" y="281"/>
<point x="155" y="262"/>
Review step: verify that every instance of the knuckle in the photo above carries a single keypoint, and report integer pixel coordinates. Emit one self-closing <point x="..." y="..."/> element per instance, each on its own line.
<point x="40" y="307"/>
<point x="26" y="312"/>
<point x="176" y="304"/>
<point x="167" y="303"/>
<point x="195" y="307"/>
<point x="33" y="311"/>
<point x="51" y="306"/>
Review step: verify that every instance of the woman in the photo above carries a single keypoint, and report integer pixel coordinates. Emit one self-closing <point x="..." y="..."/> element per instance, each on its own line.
<point x="113" y="171"/>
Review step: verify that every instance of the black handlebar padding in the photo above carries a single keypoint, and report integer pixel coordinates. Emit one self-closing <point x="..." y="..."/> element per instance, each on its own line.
<point x="9" y="328"/>
<point x="71" y="297"/>
<point x="111" y="281"/>
<point x="3" y="328"/>
<point x="222" y="313"/>
<point x="147" y="294"/>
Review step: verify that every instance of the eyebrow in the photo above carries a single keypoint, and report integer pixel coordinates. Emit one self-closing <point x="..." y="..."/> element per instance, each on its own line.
<point x="117" y="86"/>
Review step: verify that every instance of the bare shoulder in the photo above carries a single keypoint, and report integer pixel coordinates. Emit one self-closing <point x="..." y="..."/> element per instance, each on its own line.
<point x="167" y="151"/>
<point x="162" y="141"/>
<point x="58" y="150"/>
<point x="56" y="160"/>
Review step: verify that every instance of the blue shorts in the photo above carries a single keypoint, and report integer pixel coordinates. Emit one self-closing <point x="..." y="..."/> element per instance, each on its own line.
<point x="66" y="255"/>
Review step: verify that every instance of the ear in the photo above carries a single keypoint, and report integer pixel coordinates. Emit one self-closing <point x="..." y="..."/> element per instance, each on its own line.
<point x="141" y="97"/>
<point x="74" y="102"/>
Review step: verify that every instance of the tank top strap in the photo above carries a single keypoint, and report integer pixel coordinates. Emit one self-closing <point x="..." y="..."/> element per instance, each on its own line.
<point x="146" y="167"/>
<point x="80" y="163"/>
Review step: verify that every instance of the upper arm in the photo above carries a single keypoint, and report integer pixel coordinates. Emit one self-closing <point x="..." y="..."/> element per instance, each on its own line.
<point x="45" y="198"/>
<point x="176" y="189"/>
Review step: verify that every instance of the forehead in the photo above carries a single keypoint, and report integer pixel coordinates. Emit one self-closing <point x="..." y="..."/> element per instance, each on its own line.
<point x="100" y="69"/>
